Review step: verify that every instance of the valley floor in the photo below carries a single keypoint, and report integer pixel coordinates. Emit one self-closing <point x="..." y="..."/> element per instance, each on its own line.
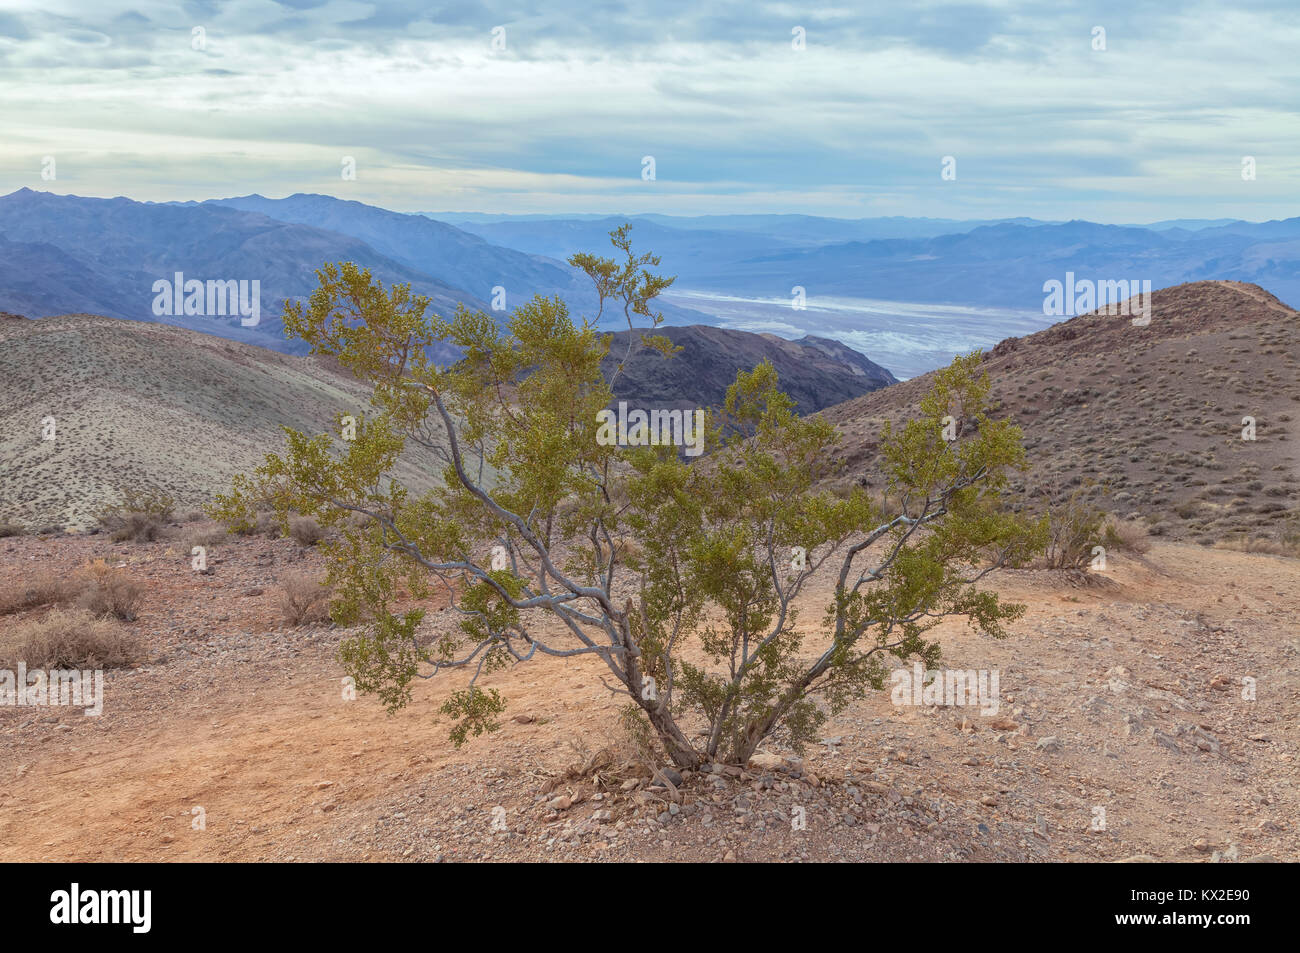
<point x="1122" y="732"/>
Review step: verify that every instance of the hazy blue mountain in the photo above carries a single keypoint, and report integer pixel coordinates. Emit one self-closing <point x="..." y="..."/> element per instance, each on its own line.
<point x="777" y="229"/>
<point x="909" y="292"/>
<point x="1006" y="265"/>
<point x="690" y="254"/>
<point x="1190" y="224"/>
<point x="456" y="256"/>
<point x="71" y="254"/>
<point x="449" y="254"/>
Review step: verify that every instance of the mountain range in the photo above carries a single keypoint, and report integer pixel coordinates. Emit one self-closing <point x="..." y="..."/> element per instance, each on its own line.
<point x="892" y="288"/>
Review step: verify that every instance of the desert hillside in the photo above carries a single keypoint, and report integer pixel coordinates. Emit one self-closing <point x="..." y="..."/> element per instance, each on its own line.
<point x="1150" y="416"/>
<point x="146" y="404"/>
<point x="816" y="372"/>
<point x="138" y="403"/>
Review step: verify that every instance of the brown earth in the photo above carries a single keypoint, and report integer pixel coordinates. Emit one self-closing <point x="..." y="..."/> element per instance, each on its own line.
<point x="1121" y="692"/>
<point x="137" y="404"/>
<point x="1148" y="421"/>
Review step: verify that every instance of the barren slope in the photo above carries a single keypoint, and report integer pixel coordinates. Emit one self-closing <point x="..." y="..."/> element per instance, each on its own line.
<point x="136" y="403"/>
<point x="1152" y="414"/>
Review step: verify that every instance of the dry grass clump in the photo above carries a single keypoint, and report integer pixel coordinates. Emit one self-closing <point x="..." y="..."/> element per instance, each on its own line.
<point x="1126" y="535"/>
<point x="264" y="523"/>
<point x="109" y="592"/>
<point x="98" y="589"/>
<point x="304" y="599"/>
<point x="207" y="537"/>
<point x="140" y="516"/>
<point x="1285" y="542"/>
<point x="69" y="638"/>
<point x="57" y="590"/>
<point x="12" y="529"/>
<point x="305" y="530"/>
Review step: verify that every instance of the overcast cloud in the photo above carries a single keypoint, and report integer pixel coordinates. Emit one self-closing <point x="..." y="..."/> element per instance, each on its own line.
<point x="856" y="124"/>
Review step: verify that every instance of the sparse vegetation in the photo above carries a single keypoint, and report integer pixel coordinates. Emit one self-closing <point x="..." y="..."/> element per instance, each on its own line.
<point x="1075" y="526"/>
<point x="141" y="516"/>
<point x="305" y="530"/>
<point x="304" y="599"/>
<point x="99" y="589"/>
<point x="69" y="638"/>
<point x="12" y="529"/>
<point x="53" y="590"/>
<point x="107" y="591"/>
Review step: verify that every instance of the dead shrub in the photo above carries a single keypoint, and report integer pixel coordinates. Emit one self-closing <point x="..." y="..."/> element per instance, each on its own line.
<point x="1074" y="527"/>
<point x="69" y="638"/>
<point x="207" y="537"/>
<point x="12" y="529"/>
<point x="305" y="530"/>
<point x="140" y="516"/>
<point x="1126" y="536"/>
<point x="110" y="592"/>
<point x="264" y="523"/>
<point x="56" y="590"/>
<point x="305" y="599"/>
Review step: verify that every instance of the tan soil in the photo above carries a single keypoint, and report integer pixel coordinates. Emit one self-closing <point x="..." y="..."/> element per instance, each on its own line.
<point x="244" y="717"/>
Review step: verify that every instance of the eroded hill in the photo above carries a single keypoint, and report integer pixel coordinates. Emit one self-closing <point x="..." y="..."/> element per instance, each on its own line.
<point x="1148" y="420"/>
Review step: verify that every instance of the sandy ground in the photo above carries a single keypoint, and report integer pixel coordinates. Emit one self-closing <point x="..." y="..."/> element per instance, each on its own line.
<point x="1125" y="734"/>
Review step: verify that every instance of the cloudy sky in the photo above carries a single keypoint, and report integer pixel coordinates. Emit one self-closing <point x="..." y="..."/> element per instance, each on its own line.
<point x="162" y="100"/>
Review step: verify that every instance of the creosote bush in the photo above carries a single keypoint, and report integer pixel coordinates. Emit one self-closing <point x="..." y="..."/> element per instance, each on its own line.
<point x="680" y="578"/>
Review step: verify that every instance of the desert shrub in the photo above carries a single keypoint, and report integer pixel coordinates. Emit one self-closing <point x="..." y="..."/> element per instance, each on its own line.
<point x="108" y="591"/>
<point x="207" y="537"/>
<point x="12" y="529"/>
<point x="141" y="516"/>
<point x="697" y="626"/>
<point x="305" y="530"/>
<point x="1074" y="527"/>
<point x="1285" y="541"/>
<point x="707" y="636"/>
<point x="258" y="523"/>
<point x="304" y="599"/>
<point x="1125" y="536"/>
<point x="69" y="638"/>
<point x="54" y="590"/>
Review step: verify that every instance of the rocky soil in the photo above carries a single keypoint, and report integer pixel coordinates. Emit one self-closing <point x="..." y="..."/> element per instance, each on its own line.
<point x="1122" y="733"/>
